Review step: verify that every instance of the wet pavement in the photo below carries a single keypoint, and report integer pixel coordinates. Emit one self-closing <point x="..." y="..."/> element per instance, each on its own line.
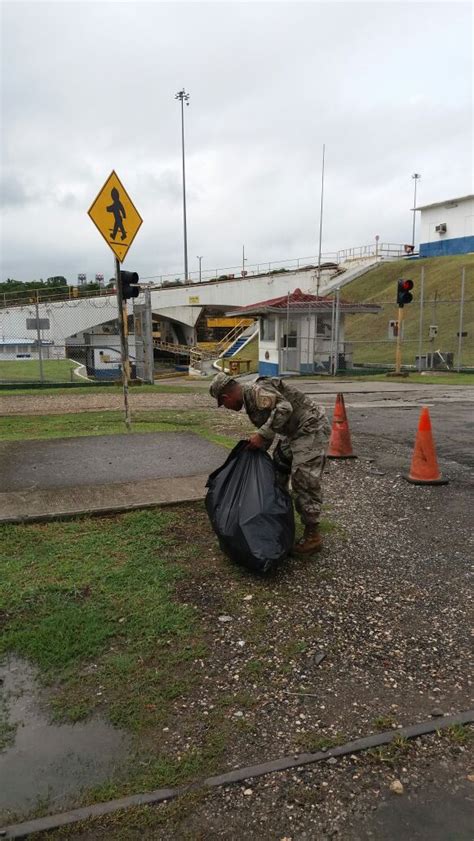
<point x="104" y="459"/>
<point x="45" y="762"/>
<point x="435" y="813"/>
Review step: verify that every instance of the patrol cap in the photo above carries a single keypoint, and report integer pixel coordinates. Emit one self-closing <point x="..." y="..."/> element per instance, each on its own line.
<point x="219" y="383"/>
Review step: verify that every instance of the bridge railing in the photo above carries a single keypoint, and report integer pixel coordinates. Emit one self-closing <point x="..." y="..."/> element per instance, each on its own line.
<point x="237" y="272"/>
<point x="383" y="250"/>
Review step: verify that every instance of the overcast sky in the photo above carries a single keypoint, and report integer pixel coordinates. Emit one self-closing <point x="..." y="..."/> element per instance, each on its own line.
<point x="89" y="87"/>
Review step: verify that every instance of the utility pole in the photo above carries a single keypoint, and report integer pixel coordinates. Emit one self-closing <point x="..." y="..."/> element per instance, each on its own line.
<point x="184" y="98"/>
<point x="243" y="260"/>
<point x="123" y="328"/>
<point x="200" y="275"/>
<point x="460" y="331"/>
<point x="416" y="177"/>
<point x="318" y="278"/>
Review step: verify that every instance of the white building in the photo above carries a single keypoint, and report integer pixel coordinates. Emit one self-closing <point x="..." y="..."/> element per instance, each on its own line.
<point x="447" y="227"/>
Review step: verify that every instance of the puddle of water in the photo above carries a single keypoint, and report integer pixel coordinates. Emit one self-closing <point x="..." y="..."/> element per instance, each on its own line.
<point x="44" y="762"/>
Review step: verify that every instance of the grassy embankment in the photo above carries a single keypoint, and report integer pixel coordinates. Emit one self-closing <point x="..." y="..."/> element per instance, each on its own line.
<point x="442" y="291"/>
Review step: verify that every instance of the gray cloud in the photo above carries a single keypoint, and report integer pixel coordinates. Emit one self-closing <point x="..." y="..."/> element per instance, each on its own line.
<point x="385" y="85"/>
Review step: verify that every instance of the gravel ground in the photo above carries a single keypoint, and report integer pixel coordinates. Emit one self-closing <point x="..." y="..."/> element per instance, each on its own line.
<point x="389" y="604"/>
<point x="352" y="799"/>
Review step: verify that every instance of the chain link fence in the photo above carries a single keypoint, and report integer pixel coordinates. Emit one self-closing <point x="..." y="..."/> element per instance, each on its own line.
<point x="77" y="340"/>
<point x="65" y="341"/>
<point x="436" y="334"/>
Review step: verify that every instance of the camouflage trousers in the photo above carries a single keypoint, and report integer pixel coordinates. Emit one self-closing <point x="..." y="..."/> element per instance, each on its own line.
<point x="303" y="456"/>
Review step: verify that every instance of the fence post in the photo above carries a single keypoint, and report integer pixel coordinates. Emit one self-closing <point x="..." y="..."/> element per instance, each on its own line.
<point x="38" y="340"/>
<point x="331" y="353"/>
<point x="336" y="354"/>
<point x="420" y="328"/>
<point x="461" y="313"/>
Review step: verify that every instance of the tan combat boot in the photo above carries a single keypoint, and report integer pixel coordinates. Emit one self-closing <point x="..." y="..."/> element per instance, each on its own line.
<point x="310" y="542"/>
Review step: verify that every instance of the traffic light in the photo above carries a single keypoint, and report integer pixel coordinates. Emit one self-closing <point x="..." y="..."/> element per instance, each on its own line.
<point x="404" y="295"/>
<point x="129" y="291"/>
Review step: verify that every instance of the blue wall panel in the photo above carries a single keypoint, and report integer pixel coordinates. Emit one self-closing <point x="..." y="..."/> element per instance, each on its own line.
<point x="107" y="373"/>
<point x="268" y="369"/>
<point x="444" y="247"/>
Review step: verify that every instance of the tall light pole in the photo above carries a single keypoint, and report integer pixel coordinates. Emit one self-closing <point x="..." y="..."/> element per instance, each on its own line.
<point x="416" y="177"/>
<point x="244" y="260"/>
<point x="184" y="98"/>
<point x="318" y="281"/>
<point x="199" y="258"/>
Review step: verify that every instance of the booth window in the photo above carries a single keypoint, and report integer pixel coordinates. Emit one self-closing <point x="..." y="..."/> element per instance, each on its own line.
<point x="267" y="329"/>
<point x="292" y="341"/>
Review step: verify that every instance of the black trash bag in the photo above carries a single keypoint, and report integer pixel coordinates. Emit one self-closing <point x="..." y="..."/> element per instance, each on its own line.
<point x="251" y="515"/>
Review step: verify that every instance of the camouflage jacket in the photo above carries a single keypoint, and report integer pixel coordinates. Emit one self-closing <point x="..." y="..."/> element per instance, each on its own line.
<point x="276" y="406"/>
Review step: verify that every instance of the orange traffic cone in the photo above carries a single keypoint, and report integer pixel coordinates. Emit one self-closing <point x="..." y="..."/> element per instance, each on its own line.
<point x="340" y="445"/>
<point x="424" y="468"/>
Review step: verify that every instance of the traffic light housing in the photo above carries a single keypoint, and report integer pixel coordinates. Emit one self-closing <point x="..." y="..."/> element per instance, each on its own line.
<point x="126" y="281"/>
<point x="404" y="295"/>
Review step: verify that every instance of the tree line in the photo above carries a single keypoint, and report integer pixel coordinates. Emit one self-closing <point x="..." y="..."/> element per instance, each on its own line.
<point x="49" y="289"/>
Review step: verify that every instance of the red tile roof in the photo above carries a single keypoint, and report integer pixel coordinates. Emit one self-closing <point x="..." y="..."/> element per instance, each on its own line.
<point x="298" y="300"/>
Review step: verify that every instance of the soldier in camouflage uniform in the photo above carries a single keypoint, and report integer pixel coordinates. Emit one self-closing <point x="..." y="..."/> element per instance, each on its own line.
<point x="276" y="407"/>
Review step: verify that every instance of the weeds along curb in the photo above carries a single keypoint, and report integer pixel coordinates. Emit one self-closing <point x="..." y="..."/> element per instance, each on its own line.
<point x="51" y="822"/>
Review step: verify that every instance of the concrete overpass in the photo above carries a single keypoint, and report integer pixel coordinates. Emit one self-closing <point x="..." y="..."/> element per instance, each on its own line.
<point x="181" y="304"/>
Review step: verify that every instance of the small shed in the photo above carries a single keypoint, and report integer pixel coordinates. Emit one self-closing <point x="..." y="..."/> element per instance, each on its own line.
<point x="302" y="333"/>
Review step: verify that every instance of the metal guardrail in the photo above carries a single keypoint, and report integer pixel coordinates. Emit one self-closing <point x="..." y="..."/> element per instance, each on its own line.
<point x="74" y="293"/>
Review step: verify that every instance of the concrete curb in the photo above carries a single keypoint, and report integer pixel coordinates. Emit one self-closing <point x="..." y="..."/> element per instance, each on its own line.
<point x="95" y="500"/>
<point x="23" y="830"/>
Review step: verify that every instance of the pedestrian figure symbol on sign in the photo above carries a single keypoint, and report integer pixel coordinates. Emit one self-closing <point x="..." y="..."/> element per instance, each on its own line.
<point x="109" y="210"/>
<point x="118" y="211"/>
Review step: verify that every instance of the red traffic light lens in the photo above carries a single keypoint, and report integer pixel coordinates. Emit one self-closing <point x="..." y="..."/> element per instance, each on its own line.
<point x="407" y="285"/>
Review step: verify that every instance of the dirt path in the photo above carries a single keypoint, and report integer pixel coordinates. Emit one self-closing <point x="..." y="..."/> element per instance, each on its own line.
<point x="53" y="404"/>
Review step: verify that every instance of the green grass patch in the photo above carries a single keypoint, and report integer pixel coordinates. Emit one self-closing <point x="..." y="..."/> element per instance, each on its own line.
<point x="459" y="734"/>
<point x="28" y="370"/>
<point x="390" y="754"/>
<point x="314" y="742"/>
<point x="383" y="722"/>
<point x="98" y="591"/>
<point x="20" y="428"/>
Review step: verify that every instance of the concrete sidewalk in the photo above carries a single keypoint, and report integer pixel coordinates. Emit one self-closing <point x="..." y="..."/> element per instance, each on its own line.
<point x="44" y="480"/>
<point x="61" y="503"/>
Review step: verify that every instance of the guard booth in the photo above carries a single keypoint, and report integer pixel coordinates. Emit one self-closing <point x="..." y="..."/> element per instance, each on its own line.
<point x="301" y="333"/>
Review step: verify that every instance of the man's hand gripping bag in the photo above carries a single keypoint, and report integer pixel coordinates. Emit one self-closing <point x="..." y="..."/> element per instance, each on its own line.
<point x="251" y="515"/>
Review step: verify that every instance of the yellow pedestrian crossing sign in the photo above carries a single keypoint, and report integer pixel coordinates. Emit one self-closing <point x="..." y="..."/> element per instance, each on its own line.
<point x="115" y="215"/>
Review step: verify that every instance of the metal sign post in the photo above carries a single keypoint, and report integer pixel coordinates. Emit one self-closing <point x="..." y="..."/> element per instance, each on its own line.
<point x="118" y="221"/>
